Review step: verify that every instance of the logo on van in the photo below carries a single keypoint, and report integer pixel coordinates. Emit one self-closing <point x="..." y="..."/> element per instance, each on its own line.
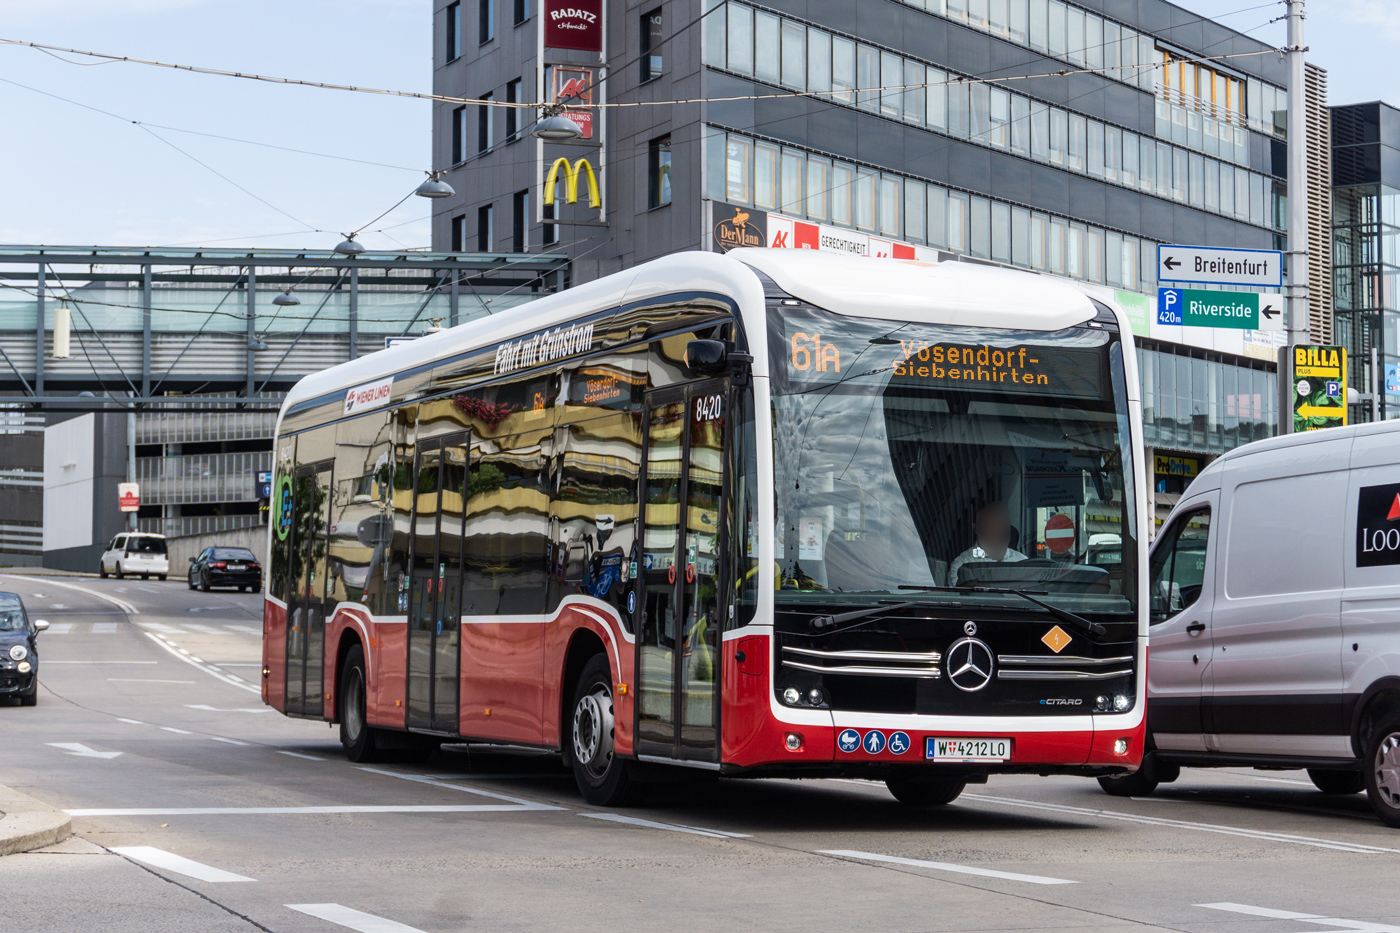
<point x="1378" y="526"/>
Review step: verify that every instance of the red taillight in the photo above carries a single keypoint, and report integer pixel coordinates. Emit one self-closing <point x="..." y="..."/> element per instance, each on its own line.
<point x="220" y="565"/>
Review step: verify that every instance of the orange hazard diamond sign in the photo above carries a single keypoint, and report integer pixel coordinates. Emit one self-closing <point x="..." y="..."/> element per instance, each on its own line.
<point x="1056" y="639"/>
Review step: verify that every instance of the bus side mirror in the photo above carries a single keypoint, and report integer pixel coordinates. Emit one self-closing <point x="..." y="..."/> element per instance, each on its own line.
<point x="706" y="357"/>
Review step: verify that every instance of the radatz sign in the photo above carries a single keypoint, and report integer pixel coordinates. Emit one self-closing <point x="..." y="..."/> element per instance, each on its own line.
<point x="573" y="24"/>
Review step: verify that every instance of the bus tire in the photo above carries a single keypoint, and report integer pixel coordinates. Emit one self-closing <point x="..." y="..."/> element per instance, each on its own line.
<point x="925" y="791"/>
<point x="356" y="734"/>
<point x="604" y="779"/>
<point x="1137" y="784"/>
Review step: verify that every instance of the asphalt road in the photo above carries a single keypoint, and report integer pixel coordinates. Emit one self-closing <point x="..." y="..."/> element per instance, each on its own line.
<point x="197" y="809"/>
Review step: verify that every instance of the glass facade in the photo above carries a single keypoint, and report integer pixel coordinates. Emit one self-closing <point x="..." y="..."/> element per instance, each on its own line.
<point x="1366" y="262"/>
<point x="1203" y="402"/>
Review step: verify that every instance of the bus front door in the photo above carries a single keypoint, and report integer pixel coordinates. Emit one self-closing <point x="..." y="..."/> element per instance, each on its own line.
<point x="306" y="609"/>
<point x="682" y="538"/>
<point x="434" y="612"/>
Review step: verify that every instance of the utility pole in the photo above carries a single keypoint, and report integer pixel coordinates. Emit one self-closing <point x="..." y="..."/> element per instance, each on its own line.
<point x="1298" y="318"/>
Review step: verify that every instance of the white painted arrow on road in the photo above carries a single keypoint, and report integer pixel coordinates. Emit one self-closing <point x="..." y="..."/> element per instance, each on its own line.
<point x="82" y="751"/>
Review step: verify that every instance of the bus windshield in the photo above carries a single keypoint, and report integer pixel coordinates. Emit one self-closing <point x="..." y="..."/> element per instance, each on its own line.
<point x="915" y="456"/>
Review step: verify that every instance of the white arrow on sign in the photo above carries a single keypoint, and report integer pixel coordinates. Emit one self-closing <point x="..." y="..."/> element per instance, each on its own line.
<point x="82" y="751"/>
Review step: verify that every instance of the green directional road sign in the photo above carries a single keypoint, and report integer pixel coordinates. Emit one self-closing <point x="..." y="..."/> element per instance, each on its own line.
<point x="1199" y="308"/>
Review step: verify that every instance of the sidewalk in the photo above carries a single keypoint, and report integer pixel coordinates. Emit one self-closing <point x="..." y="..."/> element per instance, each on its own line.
<point x="26" y="824"/>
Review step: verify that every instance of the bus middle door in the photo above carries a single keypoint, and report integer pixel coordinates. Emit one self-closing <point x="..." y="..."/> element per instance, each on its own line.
<point x="682" y="540"/>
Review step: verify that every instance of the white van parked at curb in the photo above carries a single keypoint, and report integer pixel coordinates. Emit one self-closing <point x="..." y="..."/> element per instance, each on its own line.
<point x="1275" y="617"/>
<point x="134" y="552"/>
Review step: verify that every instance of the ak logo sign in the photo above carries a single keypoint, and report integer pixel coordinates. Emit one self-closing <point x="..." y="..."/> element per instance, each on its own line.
<point x="1378" y="526"/>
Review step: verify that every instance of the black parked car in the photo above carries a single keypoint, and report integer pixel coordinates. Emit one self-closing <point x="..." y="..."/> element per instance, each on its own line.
<point x="19" y="658"/>
<point x="225" y="566"/>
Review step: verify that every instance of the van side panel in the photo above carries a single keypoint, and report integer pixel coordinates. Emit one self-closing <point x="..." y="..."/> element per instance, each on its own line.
<point x="1276" y="665"/>
<point x="1371" y="565"/>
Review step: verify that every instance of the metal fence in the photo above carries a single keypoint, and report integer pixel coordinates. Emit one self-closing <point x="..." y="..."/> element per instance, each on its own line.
<point x="201" y="477"/>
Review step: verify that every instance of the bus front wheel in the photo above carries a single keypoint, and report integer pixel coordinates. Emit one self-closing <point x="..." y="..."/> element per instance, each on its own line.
<point x="925" y="791"/>
<point x="603" y="778"/>
<point x="356" y="735"/>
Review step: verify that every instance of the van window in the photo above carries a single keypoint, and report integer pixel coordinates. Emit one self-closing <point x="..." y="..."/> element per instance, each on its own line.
<point x="1285" y="535"/>
<point x="118" y="542"/>
<point x="1179" y="565"/>
<point x="139" y="544"/>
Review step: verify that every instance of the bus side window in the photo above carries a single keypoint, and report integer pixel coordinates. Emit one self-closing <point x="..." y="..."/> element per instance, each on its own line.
<point x="360" y="547"/>
<point x="743" y="511"/>
<point x="400" y="514"/>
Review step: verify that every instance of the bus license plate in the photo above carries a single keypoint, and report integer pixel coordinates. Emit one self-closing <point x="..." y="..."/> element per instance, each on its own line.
<point x="959" y="749"/>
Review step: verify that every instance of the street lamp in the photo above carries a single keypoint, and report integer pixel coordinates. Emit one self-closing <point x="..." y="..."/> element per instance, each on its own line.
<point x="257" y="344"/>
<point x="349" y="246"/>
<point x="554" y="127"/>
<point x="286" y="299"/>
<point x="435" y="187"/>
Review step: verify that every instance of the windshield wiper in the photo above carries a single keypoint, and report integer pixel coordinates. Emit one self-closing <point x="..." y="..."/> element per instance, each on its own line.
<point x="1064" y="615"/>
<point x="822" y="623"/>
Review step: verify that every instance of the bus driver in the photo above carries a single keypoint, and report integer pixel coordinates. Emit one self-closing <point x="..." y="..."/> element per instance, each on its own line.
<point x="992" y="529"/>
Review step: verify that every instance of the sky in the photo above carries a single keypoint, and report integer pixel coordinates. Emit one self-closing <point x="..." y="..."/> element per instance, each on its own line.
<point x="75" y="176"/>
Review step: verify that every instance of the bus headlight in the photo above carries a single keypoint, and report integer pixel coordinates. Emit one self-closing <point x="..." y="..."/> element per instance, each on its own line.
<point x="1121" y="702"/>
<point x="792" y="696"/>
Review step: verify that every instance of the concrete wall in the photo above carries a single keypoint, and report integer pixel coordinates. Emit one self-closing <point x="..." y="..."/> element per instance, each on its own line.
<point x="182" y="549"/>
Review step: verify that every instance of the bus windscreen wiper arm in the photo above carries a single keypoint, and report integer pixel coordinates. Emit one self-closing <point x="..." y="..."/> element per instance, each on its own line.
<point x="1064" y="615"/>
<point x="822" y="623"/>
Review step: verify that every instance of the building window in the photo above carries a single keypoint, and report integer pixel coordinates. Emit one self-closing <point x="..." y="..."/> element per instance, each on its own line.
<point x="512" y="113"/>
<point x="659" y="172"/>
<point x="459" y="134"/>
<point x="522" y="11"/>
<point x="483" y="125"/>
<point x="454" y="31"/>
<point x="487" y="29"/>
<point x="650" y="59"/>
<point x="520" y="222"/>
<point x="459" y="233"/>
<point x="549" y="233"/>
<point x="483" y="228"/>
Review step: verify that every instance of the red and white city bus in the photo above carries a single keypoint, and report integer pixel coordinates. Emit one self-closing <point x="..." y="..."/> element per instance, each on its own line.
<point x="767" y="513"/>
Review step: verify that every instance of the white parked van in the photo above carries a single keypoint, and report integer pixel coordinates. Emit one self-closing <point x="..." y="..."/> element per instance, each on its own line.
<point x="1275" y="617"/>
<point x="135" y="552"/>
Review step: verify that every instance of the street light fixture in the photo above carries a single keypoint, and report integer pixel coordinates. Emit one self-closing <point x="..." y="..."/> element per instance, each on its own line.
<point x="554" y="127"/>
<point x="286" y="299"/>
<point x="349" y="246"/>
<point x="435" y="187"/>
<point x="257" y="344"/>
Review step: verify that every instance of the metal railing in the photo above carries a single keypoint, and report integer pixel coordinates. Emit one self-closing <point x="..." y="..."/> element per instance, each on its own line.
<point x="201" y="477"/>
<point x="182" y="526"/>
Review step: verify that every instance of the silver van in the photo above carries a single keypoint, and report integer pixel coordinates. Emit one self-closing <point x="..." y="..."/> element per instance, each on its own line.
<point x="1275" y="617"/>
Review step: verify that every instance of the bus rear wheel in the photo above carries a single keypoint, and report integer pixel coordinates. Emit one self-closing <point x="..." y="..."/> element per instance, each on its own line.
<point x="925" y="791"/>
<point x="356" y="734"/>
<point x="603" y="778"/>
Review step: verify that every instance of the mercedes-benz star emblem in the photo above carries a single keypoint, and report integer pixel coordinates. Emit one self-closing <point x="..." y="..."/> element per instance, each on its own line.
<point x="969" y="627"/>
<point x="969" y="664"/>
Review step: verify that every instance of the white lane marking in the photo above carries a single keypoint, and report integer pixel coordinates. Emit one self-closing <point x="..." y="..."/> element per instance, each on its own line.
<point x="159" y="627"/>
<point x="668" y="827"/>
<point x="1366" y="926"/>
<point x="82" y="751"/>
<point x="139" y="680"/>
<point x="99" y="662"/>
<point x="176" y="731"/>
<point x="104" y="628"/>
<point x="178" y="864"/>
<point x="121" y="604"/>
<point x="283" y="751"/>
<point x="945" y="866"/>
<point x="246" y="629"/>
<point x="1284" y="781"/>
<point x="121" y="589"/>
<point x="1185" y="824"/>
<point x="59" y="628"/>
<point x="419" y="779"/>
<point x="353" y="919"/>
<point x="236" y="663"/>
<point x="220" y="738"/>
<point x="214" y="709"/>
<point x="299" y="811"/>
<point x="134" y="722"/>
<point x="58" y="606"/>
<point x="39" y="595"/>
<point x="148" y="589"/>
<point x="212" y="672"/>
<point x="204" y="629"/>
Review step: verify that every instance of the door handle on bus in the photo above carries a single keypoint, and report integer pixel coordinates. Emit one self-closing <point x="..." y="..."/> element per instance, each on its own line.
<point x="1195" y="628"/>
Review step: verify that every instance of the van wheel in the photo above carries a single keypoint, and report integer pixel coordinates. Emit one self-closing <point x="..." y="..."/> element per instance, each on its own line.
<point x="1337" y="782"/>
<point x="120" y="575"/>
<point x="356" y="734"/>
<point x="102" y="570"/>
<point x="604" y="779"/>
<point x="1382" y="772"/>
<point x="1137" y="784"/>
<point x="925" y="792"/>
<point x="160" y="577"/>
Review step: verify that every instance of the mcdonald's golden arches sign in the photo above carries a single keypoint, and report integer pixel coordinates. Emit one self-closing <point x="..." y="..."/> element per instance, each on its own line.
<point x="571" y="178"/>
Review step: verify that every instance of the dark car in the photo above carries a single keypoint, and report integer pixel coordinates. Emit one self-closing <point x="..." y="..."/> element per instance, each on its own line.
<point x="19" y="657"/>
<point x="225" y="566"/>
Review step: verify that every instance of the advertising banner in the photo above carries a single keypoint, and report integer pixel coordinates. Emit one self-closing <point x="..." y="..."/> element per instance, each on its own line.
<point x="573" y="87"/>
<point x="1319" y="377"/>
<point x="573" y="24"/>
<point x="129" y="497"/>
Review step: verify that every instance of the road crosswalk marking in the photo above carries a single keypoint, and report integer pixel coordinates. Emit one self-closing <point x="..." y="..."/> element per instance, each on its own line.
<point x="169" y="861"/>
<point x="353" y="919"/>
<point x="104" y="628"/>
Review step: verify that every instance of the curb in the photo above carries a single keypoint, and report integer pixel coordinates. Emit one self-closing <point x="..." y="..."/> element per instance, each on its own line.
<point x="26" y="823"/>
